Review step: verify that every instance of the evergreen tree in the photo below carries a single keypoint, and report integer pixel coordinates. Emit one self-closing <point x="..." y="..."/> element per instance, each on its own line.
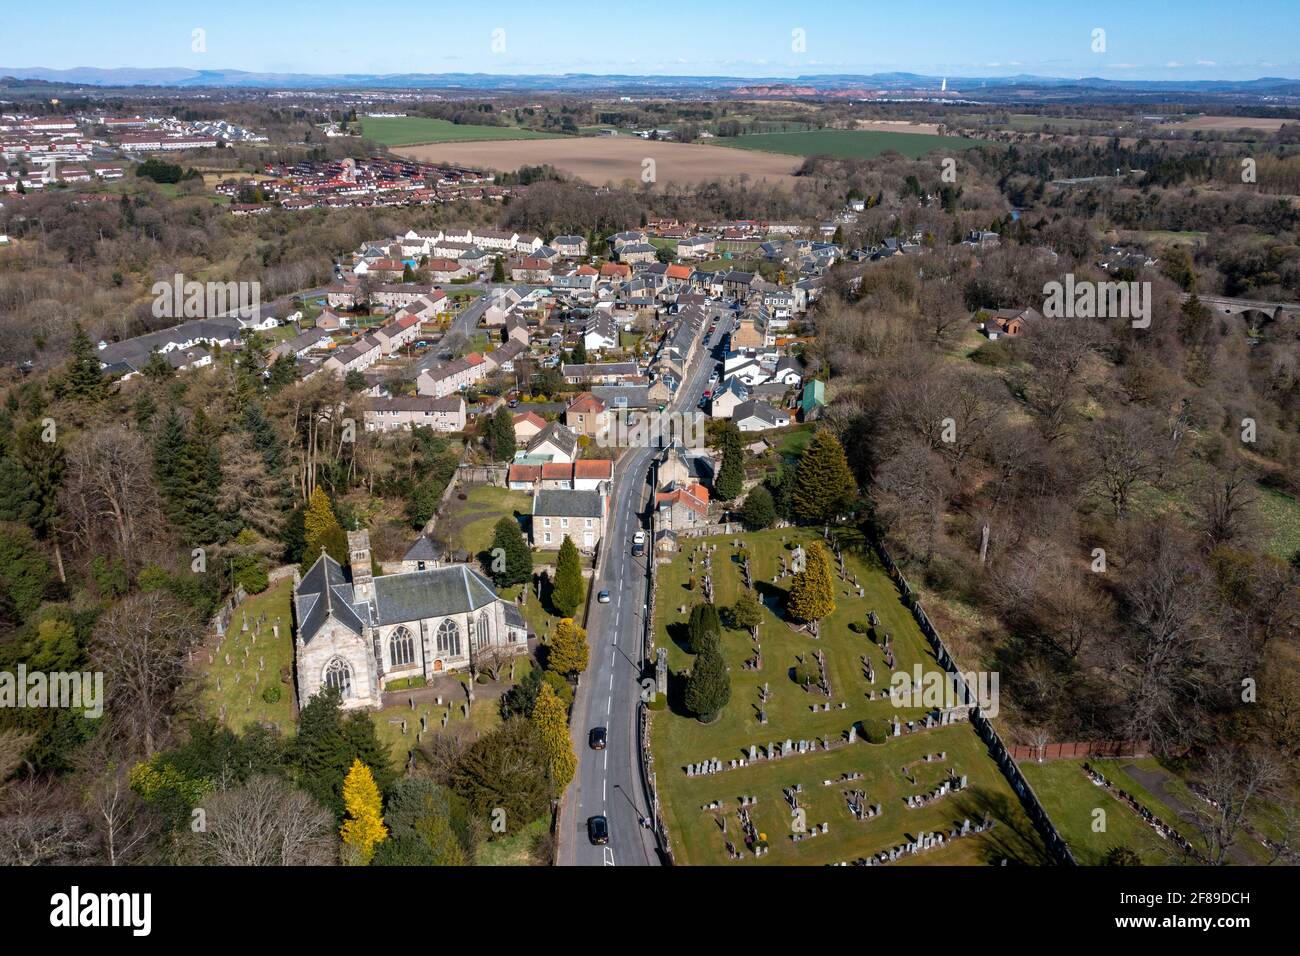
<point x="24" y="573"/>
<point x="704" y="627"/>
<point x="498" y="270"/>
<point x="708" y="689"/>
<point x="321" y="529"/>
<point x="568" y="591"/>
<point x="579" y="354"/>
<point x="759" y="510"/>
<point x="328" y="742"/>
<point x="426" y="825"/>
<point x="747" y="612"/>
<point x="364" y="826"/>
<point x="18" y="501"/>
<point x="823" y="484"/>
<point x="512" y="560"/>
<point x="506" y="770"/>
<point x="568" y="653"/>
<point x="499" y="434"/>
<point x="812" y="593"/>
<point x="550" y="717"/>
<point x="82" y="377"/>
<point x="731" y="475"/>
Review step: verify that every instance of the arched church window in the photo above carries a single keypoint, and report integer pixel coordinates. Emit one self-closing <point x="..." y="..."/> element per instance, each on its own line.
<point x="401" y="647"/>
<point x="338" y="675"/>
<point x="449" y="638"/>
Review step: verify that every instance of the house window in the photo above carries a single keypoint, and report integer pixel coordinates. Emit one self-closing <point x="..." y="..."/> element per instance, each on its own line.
<point x="588" y="522"/>
<point x="547" y="537"/>
<point x="449" y="638"/>
<point x="564" y="522"/>
<point x="338" y="676"/>
<point x="546" y="523"/>
<point x="401" y="647"/>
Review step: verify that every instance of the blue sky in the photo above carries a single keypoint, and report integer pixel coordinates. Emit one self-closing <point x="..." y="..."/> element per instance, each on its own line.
<point x="1191" y="39"/>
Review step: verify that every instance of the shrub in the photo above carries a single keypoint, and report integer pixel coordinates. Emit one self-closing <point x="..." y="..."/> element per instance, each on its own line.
<point x="272" y="694"/>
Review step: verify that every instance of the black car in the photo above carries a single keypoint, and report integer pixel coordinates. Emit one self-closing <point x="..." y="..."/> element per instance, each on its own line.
<point x="596" y="739"/>
<point x="598" y="830"/>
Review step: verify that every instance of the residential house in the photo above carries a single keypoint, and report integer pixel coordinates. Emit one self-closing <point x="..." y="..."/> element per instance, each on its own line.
<point x="414" y="411"/>
<point x="553" y="443"/>
<point x="756" y="416"/>
<point x="576" y="514"/>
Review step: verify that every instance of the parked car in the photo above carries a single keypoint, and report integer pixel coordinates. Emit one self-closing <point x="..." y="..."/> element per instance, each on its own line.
<point x="597" y="738"/>
<point x="598" y="830"/>
<point x="603" y="597"/>
<point x="638" y="538"/>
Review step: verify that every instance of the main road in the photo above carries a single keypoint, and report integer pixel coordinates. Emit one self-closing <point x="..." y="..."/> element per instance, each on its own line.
<point x="608" y="782"/>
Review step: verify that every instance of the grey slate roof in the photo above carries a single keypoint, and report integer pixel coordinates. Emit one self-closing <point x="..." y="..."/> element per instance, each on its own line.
<point x="434" y="592"/>
<point x="567" y="504"/>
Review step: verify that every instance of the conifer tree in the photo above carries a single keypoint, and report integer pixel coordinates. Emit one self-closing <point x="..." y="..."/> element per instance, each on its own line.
<point x="568" y="652"/>
<point x="550" y="717"/>
<point x="708" y="689"/>
<point x="812" y="593"/>
<point x="731" y="475"/>
<point x="567" y="592"/>
<point x="364" y="826"/>
<point x="82" y="377"/>
<point x="823" y="484"/>
<point x="321" y="528"/>
<point x="512" y="561"/>
<point x="704" y="627"/>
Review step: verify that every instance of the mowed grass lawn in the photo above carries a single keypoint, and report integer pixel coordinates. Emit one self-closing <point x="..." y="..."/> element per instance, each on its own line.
<point x="1071" y="800"/>
<point x="474" y="520"/>
<point x="410" y="130"/>
<point x="243" y="701"/>
<point x="849" y="144"/>
<point x="679" y="739"/>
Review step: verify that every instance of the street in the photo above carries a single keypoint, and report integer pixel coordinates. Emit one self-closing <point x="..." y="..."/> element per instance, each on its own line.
<point x="609" y="781"/>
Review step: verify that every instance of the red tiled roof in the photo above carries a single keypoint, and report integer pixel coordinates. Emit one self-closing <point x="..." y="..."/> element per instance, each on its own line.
<point x="593" y="468"/>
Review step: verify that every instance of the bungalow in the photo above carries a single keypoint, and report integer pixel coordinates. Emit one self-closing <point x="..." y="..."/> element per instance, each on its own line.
<point x="1008" y="322"/>
<point x="756" y="416"/>
<point x="413" y="411"/>
<point x="301" y="344"/>
<point x="331" y="321"/>
<point x="601" y="373"/>
<point x="574" y="514"/>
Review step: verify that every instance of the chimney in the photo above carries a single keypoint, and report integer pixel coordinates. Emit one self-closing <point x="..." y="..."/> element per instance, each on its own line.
<point x="363" y="582"/>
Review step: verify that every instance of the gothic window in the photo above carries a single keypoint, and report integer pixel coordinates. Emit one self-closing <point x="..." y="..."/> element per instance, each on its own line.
<point x="338" y="675"/>
<point x="449" y="638"/>
<point x="484" y="637"/>
<point x="401" y="647"/>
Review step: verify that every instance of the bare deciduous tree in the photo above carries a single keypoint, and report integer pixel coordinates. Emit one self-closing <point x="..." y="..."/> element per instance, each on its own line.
<point x="263" y="822"/>
<point x="141" y="645"/>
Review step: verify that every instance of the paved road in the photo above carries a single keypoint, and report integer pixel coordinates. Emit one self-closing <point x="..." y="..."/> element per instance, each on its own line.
<point x="609" y="781"/>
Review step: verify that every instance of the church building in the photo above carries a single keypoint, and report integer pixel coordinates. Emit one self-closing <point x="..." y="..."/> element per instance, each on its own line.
<point x="357" y="631"/>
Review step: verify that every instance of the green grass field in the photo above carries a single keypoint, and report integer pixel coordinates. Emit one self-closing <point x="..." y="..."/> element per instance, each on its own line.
<point x="410" y="130"/>
<point x="679" y="739"/>
<point x="849" y="144"/>
<point x="1071" y="800"/>
<point x="473" y="521"/>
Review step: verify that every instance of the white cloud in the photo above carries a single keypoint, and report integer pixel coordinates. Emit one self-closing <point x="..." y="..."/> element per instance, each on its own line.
<point x="1206" y="63"/>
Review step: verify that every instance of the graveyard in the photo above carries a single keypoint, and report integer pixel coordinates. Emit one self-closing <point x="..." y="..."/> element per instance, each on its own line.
<point x="787" y="775"/>
<point x="244" y="671"/>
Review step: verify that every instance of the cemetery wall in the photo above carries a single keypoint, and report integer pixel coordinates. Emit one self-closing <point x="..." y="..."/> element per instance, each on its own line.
<point x="643" y="714"/>
<point x="1056" y="846"/>
<point x="1082" y="748"/>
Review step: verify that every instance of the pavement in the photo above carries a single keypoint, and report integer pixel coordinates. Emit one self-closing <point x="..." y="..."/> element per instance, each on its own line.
<point x="608" y="781"/>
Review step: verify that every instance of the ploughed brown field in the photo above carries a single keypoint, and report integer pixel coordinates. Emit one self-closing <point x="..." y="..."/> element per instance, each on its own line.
<point x="1269" y="125"/>
<point x="600" y="160"/>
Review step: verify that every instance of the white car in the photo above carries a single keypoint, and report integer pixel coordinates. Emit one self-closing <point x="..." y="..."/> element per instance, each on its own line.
<point x="638" y="538"/>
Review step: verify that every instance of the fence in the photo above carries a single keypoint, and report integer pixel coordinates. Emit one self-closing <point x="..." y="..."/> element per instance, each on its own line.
<point x="1056" y="846"/>
<point x="1083" y="748"/>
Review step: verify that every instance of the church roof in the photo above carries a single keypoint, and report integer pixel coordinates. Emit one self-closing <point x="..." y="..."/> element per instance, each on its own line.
<point x="434" y="592"/>
<point x="326" y="590"/>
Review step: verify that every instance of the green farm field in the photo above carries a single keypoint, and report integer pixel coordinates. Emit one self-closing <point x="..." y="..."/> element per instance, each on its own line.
<point x="849" y="144"/>
<point x="410" y="130"/>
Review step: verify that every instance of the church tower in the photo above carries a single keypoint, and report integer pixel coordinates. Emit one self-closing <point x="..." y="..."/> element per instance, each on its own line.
<point x="363" y="581"/>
